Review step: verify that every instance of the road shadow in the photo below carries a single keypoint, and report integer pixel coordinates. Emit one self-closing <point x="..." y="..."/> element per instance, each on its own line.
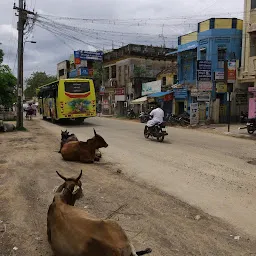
<point x="72" y="124"/>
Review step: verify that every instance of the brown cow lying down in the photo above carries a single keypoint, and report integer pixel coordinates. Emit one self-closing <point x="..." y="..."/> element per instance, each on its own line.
<point x="84" y="152"/>
<point x="66" y="137"/>
<point x="73" y="232"/>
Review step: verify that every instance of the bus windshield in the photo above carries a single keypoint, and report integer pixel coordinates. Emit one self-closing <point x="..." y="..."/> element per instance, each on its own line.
<point x="77" y="87"/>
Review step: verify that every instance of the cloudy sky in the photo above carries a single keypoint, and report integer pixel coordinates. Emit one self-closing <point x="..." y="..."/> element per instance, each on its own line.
<point x="101" y="24"/>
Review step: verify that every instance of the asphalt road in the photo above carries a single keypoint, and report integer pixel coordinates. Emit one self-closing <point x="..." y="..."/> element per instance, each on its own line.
<point x="208" y="171"/>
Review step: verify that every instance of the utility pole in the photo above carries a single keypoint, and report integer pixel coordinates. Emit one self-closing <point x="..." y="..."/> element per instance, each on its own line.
<point x="20" y="27"/>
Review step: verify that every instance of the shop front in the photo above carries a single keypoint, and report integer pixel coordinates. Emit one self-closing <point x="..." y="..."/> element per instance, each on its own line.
<point x="108" y="100"/>
<point x="164" y="98"/>
<point x="181" y="100"/>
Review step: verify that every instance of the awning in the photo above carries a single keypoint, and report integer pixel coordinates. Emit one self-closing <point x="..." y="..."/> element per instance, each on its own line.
<point x="139" y="100"/>
<point x="159" y="94"/>
<point x="185" y="48"/>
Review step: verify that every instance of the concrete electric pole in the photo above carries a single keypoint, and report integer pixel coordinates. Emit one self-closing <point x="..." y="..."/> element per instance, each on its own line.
<point x="22" y="13"/>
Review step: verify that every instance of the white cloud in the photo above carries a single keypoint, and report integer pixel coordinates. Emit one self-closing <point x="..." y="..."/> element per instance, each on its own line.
<point x="179" y="17"/>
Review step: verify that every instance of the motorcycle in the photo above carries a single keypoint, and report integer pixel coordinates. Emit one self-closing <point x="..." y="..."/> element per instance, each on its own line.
<point x="158" y="131"/>
<point x="29" y="114"/>
<point x="144" y="117"/>
<point x="251" y="126"/>
<point x="243" y="117"/>
<point x="131" y="114"/>
<point x="172" y="119"/>
<point x="184" y="119"/>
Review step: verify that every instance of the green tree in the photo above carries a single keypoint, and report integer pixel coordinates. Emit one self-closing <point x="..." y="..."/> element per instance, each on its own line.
<point x="98" y="73"/>
<point x="140" y="71"/>
<point x="7" y="84"/>
<point x="36" y="80"/>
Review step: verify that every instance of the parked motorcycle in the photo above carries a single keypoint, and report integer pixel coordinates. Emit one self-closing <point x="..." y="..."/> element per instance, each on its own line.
<point x="173" y="119"/>
<point x="144" y="117"/>
<point x="131" y="114"/>
<point x="251" y="126"/>
<point x="243" y="117"/>
<point x="184" y="119"/>
<point x="158" y="131"/>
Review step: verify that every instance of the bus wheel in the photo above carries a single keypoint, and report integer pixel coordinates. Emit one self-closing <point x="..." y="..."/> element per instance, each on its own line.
<point x="79" y="120"/>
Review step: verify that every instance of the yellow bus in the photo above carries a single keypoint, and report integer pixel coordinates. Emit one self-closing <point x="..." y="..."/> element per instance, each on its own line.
<point x="67" y="99"/>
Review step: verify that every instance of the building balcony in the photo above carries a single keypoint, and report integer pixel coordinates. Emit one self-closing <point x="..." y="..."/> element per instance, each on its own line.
<point x="112" y="82"/>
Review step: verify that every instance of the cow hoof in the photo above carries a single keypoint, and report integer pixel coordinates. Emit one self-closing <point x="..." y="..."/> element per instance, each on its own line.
<point x="97" y="159"/>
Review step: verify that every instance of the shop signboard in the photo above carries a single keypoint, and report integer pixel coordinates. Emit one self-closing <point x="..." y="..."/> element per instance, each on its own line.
<point x="204" y="72"/>
<point x="194" y="113"/>
<point x="204" y="86"/>
<point x="231" y="72"/>
<point x="180" y="93"/>
<point x="120" y="91"/>
<point x="219" y="75"/>
<point x="151" y="87"/>
<point x="204" y="96"/>
<point x="221" y="87"/>
<point x="73" y="73"/>
<point x="88" y="55"/>
<point x="252" y="108"/>
<point x="120" y="94"/>
<point x="102" y="90"/>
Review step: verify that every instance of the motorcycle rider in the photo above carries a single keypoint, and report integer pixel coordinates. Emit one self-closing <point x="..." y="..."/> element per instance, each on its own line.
<point x="157" y="117"/>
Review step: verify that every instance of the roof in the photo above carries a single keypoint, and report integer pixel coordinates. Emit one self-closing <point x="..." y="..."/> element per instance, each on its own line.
<point x="139" y="100"/>
<point x="170" y="69"/>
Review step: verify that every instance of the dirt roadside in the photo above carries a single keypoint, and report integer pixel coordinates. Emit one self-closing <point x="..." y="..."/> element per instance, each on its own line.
<point x="151" y="218"/>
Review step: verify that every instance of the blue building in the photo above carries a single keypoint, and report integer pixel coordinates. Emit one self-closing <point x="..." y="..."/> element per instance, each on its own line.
<point x="216" y="40"/>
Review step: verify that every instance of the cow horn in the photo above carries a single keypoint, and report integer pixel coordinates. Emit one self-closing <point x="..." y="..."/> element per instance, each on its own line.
<point x="62" y="176"/>
<point x="80" y="175"/>
<point x="94" y="132"/>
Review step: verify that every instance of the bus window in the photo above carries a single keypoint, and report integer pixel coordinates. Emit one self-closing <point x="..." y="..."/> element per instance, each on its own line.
<point x="77" y="87"/>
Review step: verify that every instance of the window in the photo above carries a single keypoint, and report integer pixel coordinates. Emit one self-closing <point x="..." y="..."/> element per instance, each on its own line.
<point x="77" y="87"/>
<point x="107" y="72"/>
<point x="203" y="54"/>
<point x="175" y="79"/>
<point x="253" y="45"/>
<point x="222" y="56"/>
<point x="61" y="72"/>
<point x="113" y="71"/>
<point x="194" y="68"/>
<point x="164" y="81"/>
<point x="253" y="4"/>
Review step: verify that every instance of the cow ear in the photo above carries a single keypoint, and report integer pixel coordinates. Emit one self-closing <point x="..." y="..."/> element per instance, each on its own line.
<point x="94" y="132"/>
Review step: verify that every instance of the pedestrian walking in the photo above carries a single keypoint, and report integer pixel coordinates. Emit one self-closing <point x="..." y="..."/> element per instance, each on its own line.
<point x="99" y="109"/>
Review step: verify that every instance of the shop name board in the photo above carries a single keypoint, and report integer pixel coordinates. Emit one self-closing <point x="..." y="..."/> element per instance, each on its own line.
<point x="221" y="87"/>
<point x="204" y="65"/>
<point x="87" y="55"/>
<point x="231" y="71"/>
<point x="203" y="96"/>
<point x="194" y="113"/>
<point x="180" y="93"/>
<point x="219" y="75"/>
<point x="204" y="75"/>
<point x="204" y="72"/>
<point x="120" y="91"/>
<point x="204" y="85"/>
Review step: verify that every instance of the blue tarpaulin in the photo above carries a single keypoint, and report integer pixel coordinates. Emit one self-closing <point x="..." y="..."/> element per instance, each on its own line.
<point x="159" y="94"/>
